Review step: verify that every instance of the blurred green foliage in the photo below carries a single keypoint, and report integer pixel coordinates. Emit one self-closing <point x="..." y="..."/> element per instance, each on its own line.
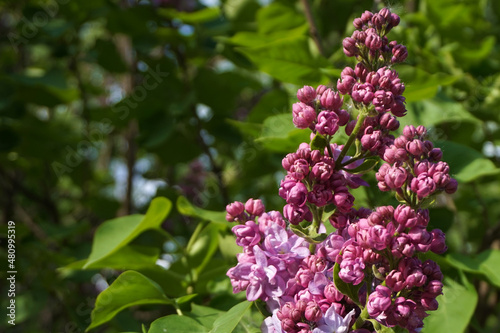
<point x="106" y="104"/>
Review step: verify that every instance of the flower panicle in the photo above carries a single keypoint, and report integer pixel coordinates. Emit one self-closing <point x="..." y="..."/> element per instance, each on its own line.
<point x="288" y="260"/>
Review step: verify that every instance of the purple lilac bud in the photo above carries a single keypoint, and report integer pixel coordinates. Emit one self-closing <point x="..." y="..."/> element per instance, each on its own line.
<point x="351" y="271"/>
<point x="350" y="48"/>
<point x="366" y="16"/>
<point x="327" y="123"/>
<point x="303" y="115"/>
<point x="389" y="122"/>
<point x="395" y="281"/>
<point x="372" y="78"/>
<point x="299" y="170"/>
<point x="373" y="41"/>
<point x="396" y="177"/>
<point x="361" y="71"/>
<point x="423" y="186"/>
<point x="332" y="294"/>
<point x="266" y="220"/>
<point x="451" y="187"/>
<point x="438" y="244"/>
<point x="247" y="235"/>
<point x="379" y="237"/>
<point x="415" y="147"/>
<point x="322" y="171"/>
<point x="402" y="246"/>
<point x="398" y="106"/>
<point x="382" y="100"/>
<point x="435" y="155"/>
<point x="320" y="195"/>
<point x="362" y="93"/>
<point x="343" y="117"/>
<point x="296" y="214"/>
<point x="358" y="23"/>
<point x="371" y="140"/>
<point x="429" y="304"/>
<point x="421" y="238"/>
<point x="343" y="200"/>
<point x="313" y="311"/>
<point x="434" y="288"/>
<point x="331" y="100"/>
<point x="254" y="207"/>
<point x="379" y="301"/>
<point x="399" y="54"/>
<point x="306" y="95"/>
<point x="293" y="192"/>
<point x="401" y="310"/>
<point x="345" y="84"/>
<point x="304" y="276"/>
<point x="235" y="211"/>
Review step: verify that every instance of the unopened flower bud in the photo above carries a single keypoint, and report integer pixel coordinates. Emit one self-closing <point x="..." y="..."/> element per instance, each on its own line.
<point x="438" y="244"/>
<point x="235" y="211"/>
<point x="306" y="94"/>
<point x="451" y="187"/>
<point x="399" y="53"/>
<point x="350" y="48"/>
<point x="313" y="311"/>
<point x="358" y="23"/>
<point x="373" y="41"/>
<point x="331" y="100"/>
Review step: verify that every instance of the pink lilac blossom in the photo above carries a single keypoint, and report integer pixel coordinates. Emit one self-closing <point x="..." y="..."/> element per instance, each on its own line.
<point x="291" y="264"/>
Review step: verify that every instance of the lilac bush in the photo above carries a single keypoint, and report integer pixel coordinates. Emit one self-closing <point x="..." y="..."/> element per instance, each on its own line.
<point x="366" y="275"/>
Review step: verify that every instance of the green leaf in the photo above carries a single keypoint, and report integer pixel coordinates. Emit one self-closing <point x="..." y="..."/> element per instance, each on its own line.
<point x="277" y="17"/>
<point x="129" y="289"/>
<point x="310" y="237"/>
<point x="273" y="102"/>
<point x="347" y="289"/>
<point x="318" y="142"/>
<point x="199" y="16"/>
<point x="456" y="307"/>
<point x="204" y="315"/>
<point x="185" y="298"/>
<point x="227" y="322"/>
<point x="108" y="57"/>
<point x="279" y="134"/>
<point x="203" y="247"/>
<point x="485" y="263"/>
<point x="466" y="164"/>
<point x="247" y="128"/>
<point x="186" y="208"/>
<point x="438" y="110"/>
<point x="176" y="324"/>
<point x="128" y="257"/>
<point x="420" y="84"/>
<point x="115" y="234"/>
<point x="288" y="60"/>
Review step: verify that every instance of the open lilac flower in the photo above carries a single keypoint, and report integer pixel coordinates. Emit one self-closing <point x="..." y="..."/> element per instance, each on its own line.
<point x="263" y="278"/>
<point x="333" y="322"/>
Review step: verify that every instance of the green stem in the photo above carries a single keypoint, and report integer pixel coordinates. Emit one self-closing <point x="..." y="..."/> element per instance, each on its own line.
<point x="178" y="310"/>
<point x="195" y="235"/>
<point x="352" y="138"/>
<point x="361" y="319"/>
<point x="314" y="227"/>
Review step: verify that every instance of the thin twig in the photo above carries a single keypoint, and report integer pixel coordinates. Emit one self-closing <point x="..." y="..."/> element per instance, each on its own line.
<point x="312" y="27"/>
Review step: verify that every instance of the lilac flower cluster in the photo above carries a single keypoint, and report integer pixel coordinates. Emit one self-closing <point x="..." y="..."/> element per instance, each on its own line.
<point x="414" y="168"/>
<point x="313" y="180"/>
<point x="271" y="253"/>
<point x="366" y="273"/>
<point x="320" y="110"/>
<point x="369" y="43"/>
